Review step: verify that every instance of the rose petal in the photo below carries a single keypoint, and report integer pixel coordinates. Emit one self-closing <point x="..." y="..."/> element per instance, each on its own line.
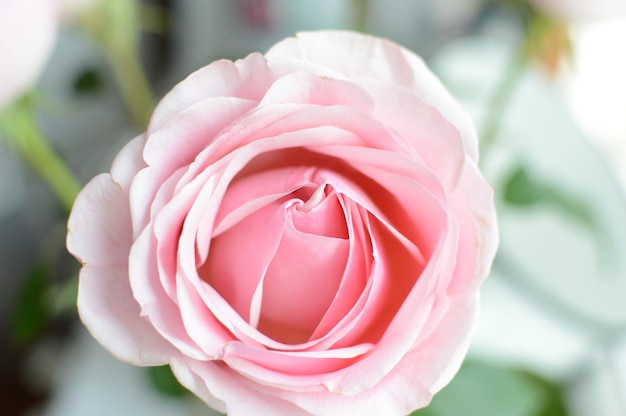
<point x="386" y="61"/>
<point x="255" y="362"/>
<point x="301" y="282"/>
<point x="413" y="381"/>
<point x="99" y="230"/>
<point x="107" y="308"/>
<point x="156" y="306"/>
<point x="340" y="313"/>
<point x="310" y="89"/>
<point x="128" y="162"/>
<point x="321" y="214"/>
<point x="226" y="389"/>
<point x="246" y="78"/>
<point x="239" y="258"/>
<point x="437" y="142"/>
<point x="105" y="302"/>
<point x="398" y="191"/>
<point x="472" y="202"/>
<point x="290" y="126"/>
<point x="176" y="145"/>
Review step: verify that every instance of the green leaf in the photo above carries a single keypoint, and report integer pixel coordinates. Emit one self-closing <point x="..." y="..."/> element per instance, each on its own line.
<point x="61" y="297"/>
<point x="89" y="81"/>
<point x="520" y="190"/>
<point x="165" y="382"/>
<point x="30" y="314"/>
<point x="481" y="389"/>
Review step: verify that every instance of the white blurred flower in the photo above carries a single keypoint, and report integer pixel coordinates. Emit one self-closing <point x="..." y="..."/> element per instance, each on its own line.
<point x="27" y="36"/>
<point x="596" y="87"/>
<point x="582" y="9"/>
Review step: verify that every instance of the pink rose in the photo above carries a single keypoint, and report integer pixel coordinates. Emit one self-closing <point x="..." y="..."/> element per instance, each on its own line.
<point x="582" y="9"/>
<point x="301" y="232"/>
<point x="27" y="36"/>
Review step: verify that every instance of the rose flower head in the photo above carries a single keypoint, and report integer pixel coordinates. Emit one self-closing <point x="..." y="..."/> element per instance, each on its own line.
<point x="300" y="232"/>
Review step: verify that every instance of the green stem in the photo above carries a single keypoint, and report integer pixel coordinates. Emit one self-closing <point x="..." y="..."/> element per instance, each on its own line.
<point x="23" y="133"/>
<point x="132" y="81"/>
<point x="115" y="26"/>
<point x="361" y="12"/>
<point x="501" y="99"/>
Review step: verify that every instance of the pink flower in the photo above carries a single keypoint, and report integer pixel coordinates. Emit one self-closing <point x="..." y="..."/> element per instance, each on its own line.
<point x="301" y="232"/>
<point x="582" y="9"/>
<point x="27" y="36"/>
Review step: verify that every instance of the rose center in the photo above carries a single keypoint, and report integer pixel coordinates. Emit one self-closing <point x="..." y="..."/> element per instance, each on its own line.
<point x="280" y="267"/>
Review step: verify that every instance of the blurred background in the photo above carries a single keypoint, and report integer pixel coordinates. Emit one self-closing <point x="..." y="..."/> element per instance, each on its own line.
<point x="545" y="82"/>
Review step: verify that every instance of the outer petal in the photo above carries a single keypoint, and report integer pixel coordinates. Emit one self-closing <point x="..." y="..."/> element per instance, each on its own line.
<point x="99" y="234"/>
<point x="107" y="308"/>
<point x="412" y="383"/>
<point x="362" y="56"/>
<point x="230" y="392"/>
<point x="473" y="205"/>
<point x="437" y="142"/>
<point x="99" y="225"/>
<point x="246" y="78"/>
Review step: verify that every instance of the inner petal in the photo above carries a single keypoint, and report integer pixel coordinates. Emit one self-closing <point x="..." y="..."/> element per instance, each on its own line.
<point x="301" y="282"/>
<point x="238" y="259"/>
<point x="320" y="213"/>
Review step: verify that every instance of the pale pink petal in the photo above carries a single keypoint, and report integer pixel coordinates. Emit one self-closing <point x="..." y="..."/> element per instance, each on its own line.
<point x="437" y="142"/>
<point x="305" y="88"/>
<point x="472" y="204"/>
<point x="320" y="213"/>
<point x="301" y="282"/>
<point x="400" y="328"/>
<point x="353" y="282"/>
<point x="99" y="234"/>
<point x="386" y="61"/>
<point x="437" y="359"/>
<point x="291" y="370"/>
<point x="156" y="306"/>
<point x="291" y="126"/>
<point x="246" y="78"/>
<point x="169" y="211"/>
<point x="178" y="142"/>
<point x="175" y="146"/>
<point x="107" y="308"/>
<point x="187" y="274"/>
<point x="411" y="207"/>
<point x="128" y="162"/>
<point x="239" y="258"/>
<point x="229" y="391"/>
<point x="201" y="322"/>
<point x="411" y="384"/>
<point x="99" y="230"/>
<point x="255" y="187"/>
